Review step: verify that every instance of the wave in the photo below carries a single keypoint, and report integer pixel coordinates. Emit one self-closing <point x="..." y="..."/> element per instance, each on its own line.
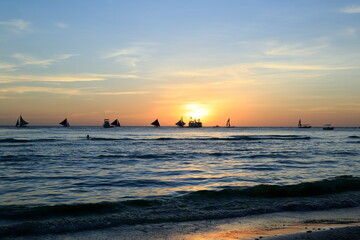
<point x="270" y="137"/>
<point x="338" y="192"/>
<point x="15" y="140"/>
<point x="109" y="139"/>
<point x="326" y="186"/>
<point x="354" y="136"/>
<point x="230" y="138"/>
<point x="20" y="158"/>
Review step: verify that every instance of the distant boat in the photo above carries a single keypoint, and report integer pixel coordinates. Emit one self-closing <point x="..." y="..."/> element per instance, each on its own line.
<point x="107" y="123"/>
<point x="328" y="127"/>
<point x="21" y="122"/>
<point x="195" y="123"/>
<point x="116" y="123"/>
<point x="228" y="125"/>
<point x="180" y="123"/>
<point x="156" y="123"/>
<point x="65" y="123"/>
<point x="303" y="125"/>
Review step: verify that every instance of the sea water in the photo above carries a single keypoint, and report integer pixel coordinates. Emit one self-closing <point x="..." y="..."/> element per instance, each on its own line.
<point x="131" y="175"/>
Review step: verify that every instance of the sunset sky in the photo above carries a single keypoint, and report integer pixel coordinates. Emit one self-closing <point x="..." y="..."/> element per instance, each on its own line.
<point x="262" y="63"/>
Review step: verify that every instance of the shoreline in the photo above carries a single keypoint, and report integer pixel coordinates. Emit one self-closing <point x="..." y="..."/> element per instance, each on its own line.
<point x="327" y="224"/>
<point x="338" y="233"/>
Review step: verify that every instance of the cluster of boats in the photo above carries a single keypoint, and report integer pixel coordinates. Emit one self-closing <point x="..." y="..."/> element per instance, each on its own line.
<point x="193" y="123"/>
<point x="107" y="123"/>
<point x="326" y="127"/>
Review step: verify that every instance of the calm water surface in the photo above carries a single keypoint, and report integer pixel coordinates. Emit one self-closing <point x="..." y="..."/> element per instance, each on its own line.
<point x="53" y="165"/>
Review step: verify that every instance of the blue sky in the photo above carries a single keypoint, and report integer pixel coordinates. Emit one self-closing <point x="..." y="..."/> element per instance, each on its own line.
<point x="139" y="60"/>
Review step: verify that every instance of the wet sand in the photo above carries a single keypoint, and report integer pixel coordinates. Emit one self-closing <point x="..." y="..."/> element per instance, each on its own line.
<point x="344" y="233"/>
<point x="331" y="224"/>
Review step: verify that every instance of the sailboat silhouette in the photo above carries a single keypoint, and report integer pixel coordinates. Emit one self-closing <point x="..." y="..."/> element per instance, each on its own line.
<point x="228" y="123"/>
<point x="116" y="123"/>
<point x="65" y="123"/>
<point x="156" y="123"/>
<point x="21" y="122"/>
<point x="180" y="123"/>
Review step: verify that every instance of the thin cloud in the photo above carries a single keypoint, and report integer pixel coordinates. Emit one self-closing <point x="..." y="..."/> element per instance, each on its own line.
<point x="17" y="24"/>
<point x="350" y="31"/>
<point x="26" y="59"/>
<point x="351" y="9"/>
<point x="299" y="67"/>
<point x="61" y="25"/>
<point x="88" y="77"/>
<point x="234" y="71"/>
<point x="293" y="50"/>
<point x="121" y="93"/>
<point x="127" y="76"/>
<point x="130" y="56"/>
<point x="122" y="52"/>
<point x="22" y="90"/>
<point x="63" y="91"/>
<point x="6" y="66"/>
<point x="35" y="78"/>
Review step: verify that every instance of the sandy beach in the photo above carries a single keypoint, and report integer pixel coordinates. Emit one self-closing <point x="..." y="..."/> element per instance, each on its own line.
<point x="330" y="224"/>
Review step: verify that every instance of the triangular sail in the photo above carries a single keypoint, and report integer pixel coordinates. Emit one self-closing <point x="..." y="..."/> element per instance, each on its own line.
<point x="156" y="123"/>
<point x="228" y="123"/>
<point x="65" y="123"/>
<point x="299" y="124"/>
<point x="180" y="123"/>
<point x="116" y="123"/>
<point x="21" y="122"/>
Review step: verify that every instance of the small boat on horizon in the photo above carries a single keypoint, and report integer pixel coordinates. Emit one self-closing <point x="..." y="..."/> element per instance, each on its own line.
<point x="228" y="125"/>
<point x="156" y="123"/>
<point x="180" y="123"/>
<point x="21" y="122"/>
<point x="107" y="123"/>
<point x="328" y="127"/>
<point x="65" y="123"/>
<point x="195" y="123"/>
<point x="116" y="123"/>
<point x="300" y="125"/>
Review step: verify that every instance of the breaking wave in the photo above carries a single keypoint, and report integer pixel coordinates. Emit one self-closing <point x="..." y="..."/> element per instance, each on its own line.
<point x="338" y="192"/>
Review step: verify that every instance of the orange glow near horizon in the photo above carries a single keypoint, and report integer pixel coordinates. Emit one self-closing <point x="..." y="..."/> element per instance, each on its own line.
<point x="196" y="111"/>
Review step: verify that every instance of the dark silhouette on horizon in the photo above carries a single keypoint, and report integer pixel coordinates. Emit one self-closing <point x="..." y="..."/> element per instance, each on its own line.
<point x="156" y="123"/>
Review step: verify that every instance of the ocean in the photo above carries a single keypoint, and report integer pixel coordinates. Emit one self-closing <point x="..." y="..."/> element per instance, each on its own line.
<point x="55" y="180"/>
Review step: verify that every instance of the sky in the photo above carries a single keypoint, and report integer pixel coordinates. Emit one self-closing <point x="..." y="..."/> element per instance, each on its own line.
<point x="260" y="63"/>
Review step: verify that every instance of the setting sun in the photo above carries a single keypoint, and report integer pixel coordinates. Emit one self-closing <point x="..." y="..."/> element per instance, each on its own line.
<point x="197" y="111"/>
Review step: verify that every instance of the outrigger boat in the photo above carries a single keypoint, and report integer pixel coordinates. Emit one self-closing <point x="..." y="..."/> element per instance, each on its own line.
<point x="328" y="127"/>
<point x="195" y="123"/>
<point x="303" y="125"/>
<point x="228" y="125"/>
<point x="65" y="123"/>
<point x="21" y="122"/>
<point x="156" y="123"/>
<point x="116" y="123"/>
<point x="107" y="123"/>
<point x="180" y="123"/>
